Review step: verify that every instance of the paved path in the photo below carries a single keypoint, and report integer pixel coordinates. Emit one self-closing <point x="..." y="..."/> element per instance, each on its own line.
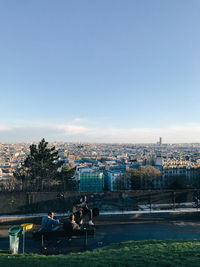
<point x="146" y="211"/>
<point x="111" y="233"/>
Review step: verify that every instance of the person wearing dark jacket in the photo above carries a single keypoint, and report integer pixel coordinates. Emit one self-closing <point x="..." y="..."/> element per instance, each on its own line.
<point x="84" y="210"/>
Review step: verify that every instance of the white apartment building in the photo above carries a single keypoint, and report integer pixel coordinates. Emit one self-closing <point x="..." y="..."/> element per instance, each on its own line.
<point x="110" y="179"/>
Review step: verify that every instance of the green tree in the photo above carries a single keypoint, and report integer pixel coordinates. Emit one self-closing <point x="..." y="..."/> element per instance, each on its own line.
<point x="122" y="182"/>
<point x="135" y="179"/>
<point x="40" y="167"/>
<point x="178" y="182"/>
<point x="66" y="178"/>
<point x="149" y="174"/>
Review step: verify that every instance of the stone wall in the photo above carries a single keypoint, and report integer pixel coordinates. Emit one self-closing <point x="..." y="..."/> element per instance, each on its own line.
<point x="39" y="202"/>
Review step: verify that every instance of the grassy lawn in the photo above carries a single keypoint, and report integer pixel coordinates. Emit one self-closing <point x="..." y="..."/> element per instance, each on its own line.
<point x="132" y="253"/>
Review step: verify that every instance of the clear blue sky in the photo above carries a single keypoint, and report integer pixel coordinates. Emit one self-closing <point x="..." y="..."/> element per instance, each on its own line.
<point x="100" y="71"/>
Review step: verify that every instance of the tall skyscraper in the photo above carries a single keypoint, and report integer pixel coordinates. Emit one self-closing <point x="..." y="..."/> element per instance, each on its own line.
<point x="160" y="142"/>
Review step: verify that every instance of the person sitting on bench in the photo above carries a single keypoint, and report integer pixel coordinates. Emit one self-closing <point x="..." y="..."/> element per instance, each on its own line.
<point x="49" y="222"/>
<point x="84" y="210"/>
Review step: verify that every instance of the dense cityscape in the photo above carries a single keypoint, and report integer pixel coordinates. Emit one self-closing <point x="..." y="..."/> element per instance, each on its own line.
<point x="97" y="166"/>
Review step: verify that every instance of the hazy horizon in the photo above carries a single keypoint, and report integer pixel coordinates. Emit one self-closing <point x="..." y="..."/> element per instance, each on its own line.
<point x="98" y="143"/>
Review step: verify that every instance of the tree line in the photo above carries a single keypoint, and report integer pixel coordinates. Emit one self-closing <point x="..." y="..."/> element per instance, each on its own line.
<point x="148" y="177"/>
<point x="136" y="179"/>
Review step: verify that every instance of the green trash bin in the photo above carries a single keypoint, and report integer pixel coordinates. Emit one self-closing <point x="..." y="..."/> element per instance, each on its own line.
<point x="14" y="233"/>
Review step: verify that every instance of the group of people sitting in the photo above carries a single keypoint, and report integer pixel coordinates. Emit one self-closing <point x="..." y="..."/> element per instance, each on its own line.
<point x="80" y="210"/>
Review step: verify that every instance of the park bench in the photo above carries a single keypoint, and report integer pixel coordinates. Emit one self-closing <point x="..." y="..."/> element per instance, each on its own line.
<point x="46" y="238"/>
<point x="67" y="233"/>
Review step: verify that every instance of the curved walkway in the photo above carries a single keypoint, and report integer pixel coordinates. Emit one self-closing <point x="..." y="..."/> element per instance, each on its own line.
<point x="111" y="233"/>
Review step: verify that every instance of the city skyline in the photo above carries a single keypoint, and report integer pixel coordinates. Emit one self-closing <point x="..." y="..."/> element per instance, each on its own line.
<point x="105" y="72"/>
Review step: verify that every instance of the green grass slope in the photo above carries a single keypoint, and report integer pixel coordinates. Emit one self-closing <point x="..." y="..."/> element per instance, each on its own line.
<point x="132" y="253"/>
